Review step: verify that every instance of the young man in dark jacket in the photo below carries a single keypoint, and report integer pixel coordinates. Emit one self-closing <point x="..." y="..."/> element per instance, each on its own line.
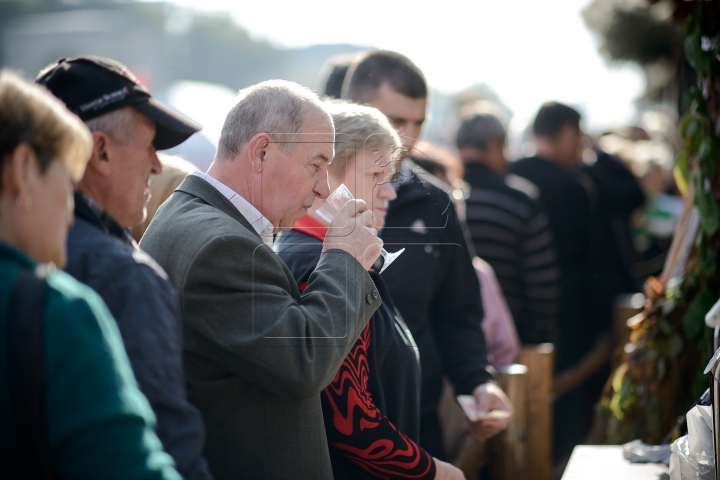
<point x="556" y="171"/>
<point x="128" y="125"/>
<point x="433" y="282"/>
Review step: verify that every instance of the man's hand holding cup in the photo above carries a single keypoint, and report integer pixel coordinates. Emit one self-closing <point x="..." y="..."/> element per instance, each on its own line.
<point x="353" y="230"/>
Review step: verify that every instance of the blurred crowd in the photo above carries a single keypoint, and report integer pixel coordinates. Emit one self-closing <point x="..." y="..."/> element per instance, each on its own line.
<point x="165" y="322"/>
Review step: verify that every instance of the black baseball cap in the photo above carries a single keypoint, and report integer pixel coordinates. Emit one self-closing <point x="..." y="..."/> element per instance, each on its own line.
<point x="91" y="86"/>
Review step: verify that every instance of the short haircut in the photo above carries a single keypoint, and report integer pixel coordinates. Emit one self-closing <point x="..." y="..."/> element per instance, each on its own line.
<point x="358" y="127"/>
<point x="275" y="107"/>
<point x="371" y="69"/>
<point x="117" y="124"/>
<point x="332" y="75"/>
<point x="552" y="117"/>
<point x="478" y="130"/>
<point x="32" y="115"/>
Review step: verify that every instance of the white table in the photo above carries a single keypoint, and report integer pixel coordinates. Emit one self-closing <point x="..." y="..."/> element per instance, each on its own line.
<point x="605" y="462"/>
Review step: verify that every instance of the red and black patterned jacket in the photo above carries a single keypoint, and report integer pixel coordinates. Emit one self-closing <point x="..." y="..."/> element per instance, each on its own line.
<point x="372" y="407"/>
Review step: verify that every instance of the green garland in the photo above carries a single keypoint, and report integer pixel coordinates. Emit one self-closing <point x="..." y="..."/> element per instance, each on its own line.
<point x="661" y="373"/>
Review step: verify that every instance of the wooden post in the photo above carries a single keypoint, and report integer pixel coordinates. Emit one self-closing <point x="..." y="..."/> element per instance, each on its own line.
<point x="472" y="457"/>
<point x="539" y="360"/>
<point x="507" y="450"/>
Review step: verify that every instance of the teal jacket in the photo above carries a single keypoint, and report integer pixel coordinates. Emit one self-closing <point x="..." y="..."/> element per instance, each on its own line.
<point x="99" y="425"/>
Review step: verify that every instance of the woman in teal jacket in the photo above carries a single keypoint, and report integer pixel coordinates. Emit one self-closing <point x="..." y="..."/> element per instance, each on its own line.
<point x="94" y="422"/>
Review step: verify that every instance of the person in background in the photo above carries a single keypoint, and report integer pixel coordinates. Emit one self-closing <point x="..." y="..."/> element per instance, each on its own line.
<point x="128" y="125"/>
<point x="555" y="170"/>
<point x="509" y="229"/>
<point x="332" y="75"/>
<point x="259" y="352"/>
<point x="70" y="404"/>
<point x="615" y="196"/>
<point x="162" y="185"/>
<point x="383" y="368"/>
<point x="433" y="283"/>
<point x="498" y="326"/>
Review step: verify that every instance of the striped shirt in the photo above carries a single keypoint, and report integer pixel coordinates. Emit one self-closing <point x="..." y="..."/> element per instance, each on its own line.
<point x="511" y="232"/>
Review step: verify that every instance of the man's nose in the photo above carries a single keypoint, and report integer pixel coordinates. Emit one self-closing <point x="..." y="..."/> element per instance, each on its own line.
<point x="156" y="165"/>
<point x="322" y="187"/>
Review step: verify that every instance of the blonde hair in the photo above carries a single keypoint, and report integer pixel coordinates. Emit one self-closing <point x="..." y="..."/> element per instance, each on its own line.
<point x="358" y="127"/>
<point x="30" y="114"/>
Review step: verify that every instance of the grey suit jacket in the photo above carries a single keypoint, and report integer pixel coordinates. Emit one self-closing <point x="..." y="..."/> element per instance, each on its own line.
<point x="258" y="353"/>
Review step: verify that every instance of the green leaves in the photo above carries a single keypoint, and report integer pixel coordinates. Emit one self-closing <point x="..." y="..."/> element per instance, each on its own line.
<point x="694" y="318"/>
<point x="706" y="204"/>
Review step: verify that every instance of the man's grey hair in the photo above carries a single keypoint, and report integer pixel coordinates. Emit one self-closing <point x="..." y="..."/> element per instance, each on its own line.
<point x="479" y="129"/>
<point x="358" y="127"/>
<point x="117" y="124"/>
<point x="275" y="107"/>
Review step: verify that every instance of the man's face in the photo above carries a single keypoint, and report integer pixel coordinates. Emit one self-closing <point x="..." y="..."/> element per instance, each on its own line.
<point x="291" y="182"/>
<point x="405" y="114"/>
<point x="132" y="163"/>
<point x="569" y="145"/>
<point x="494" y="155"/>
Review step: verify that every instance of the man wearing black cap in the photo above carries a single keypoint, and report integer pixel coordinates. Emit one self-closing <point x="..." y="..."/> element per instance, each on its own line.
<point x="128" y="126"/>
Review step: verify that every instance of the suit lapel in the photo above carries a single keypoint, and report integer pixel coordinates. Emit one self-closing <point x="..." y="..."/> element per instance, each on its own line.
<point x="197" y="187"/>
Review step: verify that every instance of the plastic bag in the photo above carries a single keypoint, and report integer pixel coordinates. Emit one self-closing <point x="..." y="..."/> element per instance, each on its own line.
<point x="693" y="455"/>
<point x="639" y="452"/>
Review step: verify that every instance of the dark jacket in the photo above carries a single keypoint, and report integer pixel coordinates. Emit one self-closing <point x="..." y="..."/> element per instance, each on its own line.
<point x="258" y="352"/>
<point x="98" y="424"/>
<point x="615" y="194"/>
<point x="138" y="294"/>
<point x="435" y="288"/>
<point x="375" y="396"/>
<point x="511" y="232"/>
<point x="568" y="207"/>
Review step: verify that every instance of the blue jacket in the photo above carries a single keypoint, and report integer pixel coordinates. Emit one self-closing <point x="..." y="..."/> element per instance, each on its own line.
<point x="102" y="255"/>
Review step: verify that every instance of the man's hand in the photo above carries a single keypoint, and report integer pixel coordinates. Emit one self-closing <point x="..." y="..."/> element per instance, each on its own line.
<point x="353" y="230"/>
<point x="489" y="397"/>
<point x="445" y="471"/>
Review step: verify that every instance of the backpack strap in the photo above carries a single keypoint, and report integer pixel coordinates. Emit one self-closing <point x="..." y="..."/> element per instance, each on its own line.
<point x="26" y="359"/>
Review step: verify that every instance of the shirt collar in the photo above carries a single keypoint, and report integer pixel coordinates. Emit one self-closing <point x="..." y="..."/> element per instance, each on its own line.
<point x="262" y="225"/>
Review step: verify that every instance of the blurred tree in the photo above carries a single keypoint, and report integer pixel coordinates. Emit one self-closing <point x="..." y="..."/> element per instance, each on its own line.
<point x="642" y="32"/>
<point x="166" y="42"/>
<point x="660" y="375"/>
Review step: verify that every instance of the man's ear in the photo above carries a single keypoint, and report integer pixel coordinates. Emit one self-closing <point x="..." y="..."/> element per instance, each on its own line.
<point x="260" y="150"/>
<point x="102" y="154"/>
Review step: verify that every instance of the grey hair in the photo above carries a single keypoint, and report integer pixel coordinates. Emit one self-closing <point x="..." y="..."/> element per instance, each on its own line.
<point x="275" y="107"/>
<point x="477" y="130"/>
<point x="358" y="127"/>
<point x="118" y="124"/>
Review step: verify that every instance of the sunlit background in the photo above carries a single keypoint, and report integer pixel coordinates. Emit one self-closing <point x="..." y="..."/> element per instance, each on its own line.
<point x="195" y="54"/>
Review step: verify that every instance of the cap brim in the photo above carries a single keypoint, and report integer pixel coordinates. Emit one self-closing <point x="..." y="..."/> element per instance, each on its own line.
<point x="172" y="128"/>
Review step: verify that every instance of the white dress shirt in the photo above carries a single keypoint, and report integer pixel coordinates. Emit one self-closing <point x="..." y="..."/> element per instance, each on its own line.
<point x="262" y="225"/>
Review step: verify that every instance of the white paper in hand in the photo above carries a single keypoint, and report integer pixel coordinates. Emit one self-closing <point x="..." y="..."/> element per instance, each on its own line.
<point x="473" y="412"/>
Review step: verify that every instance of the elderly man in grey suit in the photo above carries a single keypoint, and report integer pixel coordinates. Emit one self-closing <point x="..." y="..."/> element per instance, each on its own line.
<point x="257" y="351"/>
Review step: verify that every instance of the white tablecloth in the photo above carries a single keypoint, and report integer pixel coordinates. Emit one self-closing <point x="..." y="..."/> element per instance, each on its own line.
<point x="605" y="462"/>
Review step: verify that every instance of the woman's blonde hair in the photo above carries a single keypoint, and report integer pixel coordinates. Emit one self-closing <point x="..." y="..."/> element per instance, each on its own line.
<point x="358" y="127"/>
<point x="32" y="115"/>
